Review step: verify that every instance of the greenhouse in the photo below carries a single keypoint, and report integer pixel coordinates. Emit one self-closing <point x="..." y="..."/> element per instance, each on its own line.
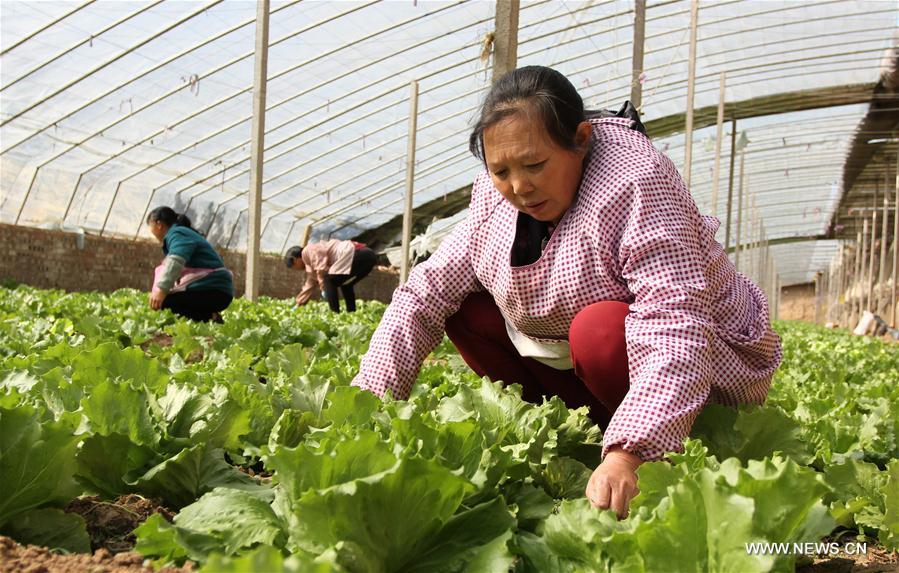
<point x="254" y="315"/>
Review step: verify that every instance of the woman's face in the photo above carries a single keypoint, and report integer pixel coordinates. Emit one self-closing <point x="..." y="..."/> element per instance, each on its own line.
<point x="159" y="229"/>
<point x="530" y="170"/>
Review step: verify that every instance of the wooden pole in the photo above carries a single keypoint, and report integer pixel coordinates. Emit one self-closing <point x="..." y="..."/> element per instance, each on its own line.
<point x="637" y="59"/>
<point x="847" y="282"/>
<point x="740" y="201"/>
<point x="730" y="182"/>
<point x="410" y="181"/>
<point x="856" y="286"/>
<point x="759" y="249"/>
<point x="773" y="278"/>
<point x="881" y="306"/>
<point x="750" y="239"/>
<point x="505" y="37"/>
<point x="756" y="231"/>
<point x="893" y="297"/>
<point x="841" y="285"/>
<point x="862" y="278"/>
<point x="257" y="145"/>
<point x="850" y="277"/>
<point x="870" y="285"/>
<point x="716" y="172"/>
<point x="828" y="302"/>
<point x="838" y="287"/>
<point x="817" y="283"/>
<point x="307" y="233"/>
<point x="767" y="256"/>
<point x="691" y="89"/>
<point x="750" y="230"/>
<point x="776" y="296"/>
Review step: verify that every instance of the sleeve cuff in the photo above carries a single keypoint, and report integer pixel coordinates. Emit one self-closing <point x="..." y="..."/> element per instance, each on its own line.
<point x="646" y="449"/>
<point x="172" y="266"/>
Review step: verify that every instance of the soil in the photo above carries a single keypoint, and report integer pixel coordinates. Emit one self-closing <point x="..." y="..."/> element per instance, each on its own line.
<point x="160" y="338"/>
<point x="877" y="560"/>
<point x="164" y="340"/>
<point x="15" y="558"/>
<point x="262" y="475"/>
<point x="110" y="524"/>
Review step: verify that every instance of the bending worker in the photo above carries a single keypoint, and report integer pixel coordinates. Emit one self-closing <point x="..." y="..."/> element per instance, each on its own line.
<point x="192" y="280"/>
<point x="583" y="270"/>
<point x="331" y="264"/>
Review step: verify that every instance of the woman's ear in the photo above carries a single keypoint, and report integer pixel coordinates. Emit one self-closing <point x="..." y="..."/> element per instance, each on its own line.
<point x="582" y="136"/>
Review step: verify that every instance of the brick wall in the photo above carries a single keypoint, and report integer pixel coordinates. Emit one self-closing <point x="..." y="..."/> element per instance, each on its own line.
<point x="60" y="260"/>
<point x="53" y="259"/>
<point x="797" y="302"/>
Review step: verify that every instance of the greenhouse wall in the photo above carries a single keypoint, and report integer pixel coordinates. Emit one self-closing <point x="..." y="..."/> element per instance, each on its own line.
<point x="797" y="302"/>
<point x="78" y="262"/>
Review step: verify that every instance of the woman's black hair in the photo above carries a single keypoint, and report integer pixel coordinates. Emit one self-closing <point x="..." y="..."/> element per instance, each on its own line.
<point x="168" y="216"/>
<point x="537" y="89"/>
<point x="292" y="253"/>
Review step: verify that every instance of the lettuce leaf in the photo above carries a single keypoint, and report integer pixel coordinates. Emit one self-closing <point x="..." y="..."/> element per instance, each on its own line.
<point x="37" y="460"/>
<point x="51" y="528"/>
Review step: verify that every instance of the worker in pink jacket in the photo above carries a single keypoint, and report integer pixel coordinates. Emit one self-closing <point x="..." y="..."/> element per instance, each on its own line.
<point x="332" y="265"/>
<point x="583" y="270"/>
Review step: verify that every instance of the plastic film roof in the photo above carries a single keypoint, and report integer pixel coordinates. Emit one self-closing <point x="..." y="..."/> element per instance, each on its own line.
<point x="108" y="109"/>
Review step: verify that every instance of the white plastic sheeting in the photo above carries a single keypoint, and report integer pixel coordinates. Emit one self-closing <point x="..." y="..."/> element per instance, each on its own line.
<point x="110" y="108"/>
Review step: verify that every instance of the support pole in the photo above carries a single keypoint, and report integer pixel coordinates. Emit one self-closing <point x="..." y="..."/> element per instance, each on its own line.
<point x="776" y="296"/>
<point x="870" y="285"/>
<point x="716" y="173"/>
<point x="772" y="278"/>
<point x="410" y="181"/>
<point x="251" y="291"/>
<point x="855" y="290"/>
<point x="758" y="248"/>
<point x="505" y="37"/>
<point x="730" y="182"/>
<point x="817" y="298"/>
<point x="841" y="288"/>
<point x="831" y="279"/>
<point x="691" y="89"/>
<point x="862" y="282"/>
<point x="837" y="285"/>
<point x="893" y="297"/>
<point x="844" y="293"/>
<point x="637" y="59"/>
<point x="740" y="201"/>
<point x="763" y="262"/>
<point x="751" y="235"/>
<point x="881" y="306"/>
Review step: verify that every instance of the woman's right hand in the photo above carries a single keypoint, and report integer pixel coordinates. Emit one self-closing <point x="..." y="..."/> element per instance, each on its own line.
<point x="157" y="296"/>
<point x="614" y="482"/>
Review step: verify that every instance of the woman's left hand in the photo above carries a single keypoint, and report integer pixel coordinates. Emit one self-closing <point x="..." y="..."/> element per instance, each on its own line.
<point x="614" y="482"/>
<point x="156" y="298"/>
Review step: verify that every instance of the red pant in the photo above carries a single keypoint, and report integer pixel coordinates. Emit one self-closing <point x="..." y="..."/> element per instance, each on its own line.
<point x="598" y="351"/>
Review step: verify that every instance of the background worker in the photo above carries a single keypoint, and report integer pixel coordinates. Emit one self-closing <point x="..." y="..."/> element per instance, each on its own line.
<point x="332" y="265"/>
<point x="192" y="280"/>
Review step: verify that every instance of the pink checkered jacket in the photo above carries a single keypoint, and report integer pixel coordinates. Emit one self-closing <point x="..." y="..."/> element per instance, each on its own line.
<point x="697" y="332"/>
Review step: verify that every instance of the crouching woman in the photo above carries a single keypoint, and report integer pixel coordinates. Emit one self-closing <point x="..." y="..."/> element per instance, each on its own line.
<point x="192" y="280"/>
